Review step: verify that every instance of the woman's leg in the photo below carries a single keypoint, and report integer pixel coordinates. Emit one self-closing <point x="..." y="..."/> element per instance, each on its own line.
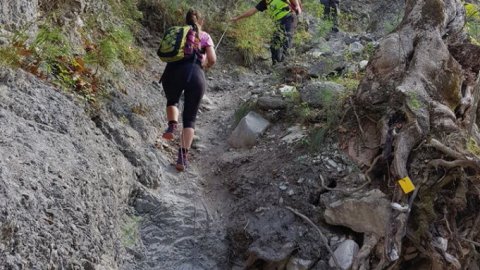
<point x="193" y="96"/>
<point x="173" y="90"/>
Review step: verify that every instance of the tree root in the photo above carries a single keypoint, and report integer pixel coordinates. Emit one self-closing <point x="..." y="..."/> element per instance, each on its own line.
<point x="361" y="260"/>
<point x="456" y="163"/>
<point x="322" y="236"/>
<point x="445" y="149"/>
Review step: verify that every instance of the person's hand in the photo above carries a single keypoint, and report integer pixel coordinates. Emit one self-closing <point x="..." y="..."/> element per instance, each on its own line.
<point x="298" y="10"/>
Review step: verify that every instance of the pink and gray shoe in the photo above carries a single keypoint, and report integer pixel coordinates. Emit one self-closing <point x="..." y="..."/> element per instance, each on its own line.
<point x="182" y="160"/>
<point x="169" y="133"/>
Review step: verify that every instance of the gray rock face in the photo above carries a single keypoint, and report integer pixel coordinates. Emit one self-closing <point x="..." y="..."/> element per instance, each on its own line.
<point x="177" y="231"/>
<point x="345" y="253"/>
<point x="333" y="65"/>
<point x="17" y="13"/>
<point x="247" y="131"/>
<point x="367" y="212"/>
<point x="374" y="16"/>
<point x="62" y="182"/>
<point x="319" y="94"/>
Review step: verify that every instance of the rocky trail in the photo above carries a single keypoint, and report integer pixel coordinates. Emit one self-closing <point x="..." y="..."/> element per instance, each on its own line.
<point x="230" y="210"/>
<point x="360" y="152"/>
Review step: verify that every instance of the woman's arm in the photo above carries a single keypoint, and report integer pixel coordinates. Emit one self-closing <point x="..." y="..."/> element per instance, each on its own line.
<point x="298" y="6"/>
<point x="211" y="58"/>
<point x="247" y="13"/>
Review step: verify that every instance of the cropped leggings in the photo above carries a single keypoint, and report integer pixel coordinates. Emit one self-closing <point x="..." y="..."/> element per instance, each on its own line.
<point x="188" y="78"/>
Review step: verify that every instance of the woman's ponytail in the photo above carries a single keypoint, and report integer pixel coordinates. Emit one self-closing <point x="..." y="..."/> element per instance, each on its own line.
<point x="192" y="19"/>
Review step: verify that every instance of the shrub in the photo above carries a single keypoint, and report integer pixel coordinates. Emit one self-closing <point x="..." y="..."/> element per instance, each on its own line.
<point x="242" y="111"/>
<point x="473" y="22"/>
<point x="251" y="35"/>
<point x="118" y="44"/>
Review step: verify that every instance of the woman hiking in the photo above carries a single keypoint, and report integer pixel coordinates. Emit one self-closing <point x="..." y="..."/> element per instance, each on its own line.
<point x="284" y="13"/>
<point x="187" y="76"/>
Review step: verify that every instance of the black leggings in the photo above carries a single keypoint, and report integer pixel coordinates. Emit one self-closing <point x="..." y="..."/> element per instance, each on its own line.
<point x="188" y="77"/>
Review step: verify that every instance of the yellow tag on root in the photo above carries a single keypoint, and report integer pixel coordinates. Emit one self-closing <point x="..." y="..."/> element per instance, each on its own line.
<point x="406" y="185"/>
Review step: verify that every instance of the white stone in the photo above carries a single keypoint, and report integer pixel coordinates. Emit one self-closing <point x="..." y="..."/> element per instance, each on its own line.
<point x="363" y="64"/>
<point x="345" y="253"/>
<point x="247" y="131"/>
<point x="298" y="264"/>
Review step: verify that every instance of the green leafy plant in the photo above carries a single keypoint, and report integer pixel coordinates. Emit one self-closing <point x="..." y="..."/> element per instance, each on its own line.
<point x="251" y="36"/>
<point x="242" y="111"/>
<point x="473" y="22"/>
<point x="118" y="44"/>
<point x="473" y="147"/>
<point x="413" y="101"/>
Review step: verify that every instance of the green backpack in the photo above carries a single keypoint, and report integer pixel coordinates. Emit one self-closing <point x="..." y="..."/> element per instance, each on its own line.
<point x="178" y="43"/>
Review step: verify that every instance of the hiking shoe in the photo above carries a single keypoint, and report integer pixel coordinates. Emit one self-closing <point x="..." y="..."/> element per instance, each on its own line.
<point x="169" y="132"/>
<point x="182" y="160"/>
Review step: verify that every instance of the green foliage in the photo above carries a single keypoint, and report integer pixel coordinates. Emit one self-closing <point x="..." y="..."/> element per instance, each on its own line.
<point x="473" y="22"/>
<point x="316" y="138"/>
<point x="127" y="11"/>
<point x="50" y="44"/>
<point x="303" y="113"/>
<point x="350" y="82"/>
<point x="473" y="147"/>
<point x="251" y="35"/>
<point x="368" y="50"/>
<point x="130" y="230"/>
<point x="242" y="111"/>
<point x="118" y="44"/>
<point x="313" y="7"/>
<point x="302" y="36"/>
<point x="413" y="101"/>
<point x="324" y="27"/>
<point x="9" y="57"/>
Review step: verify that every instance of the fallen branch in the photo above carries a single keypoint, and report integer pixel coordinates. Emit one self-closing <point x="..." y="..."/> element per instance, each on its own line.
<point x="322" y="236"/>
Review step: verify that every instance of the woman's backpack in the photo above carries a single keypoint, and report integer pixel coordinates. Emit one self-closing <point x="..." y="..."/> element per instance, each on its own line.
<point x="178" y="43"/>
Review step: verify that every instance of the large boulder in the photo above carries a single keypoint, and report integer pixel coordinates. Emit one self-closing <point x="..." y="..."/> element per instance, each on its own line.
<point x="64" y="184"/>
<point x="363" y="212"/>
<point x="320" y="94"/>
<point x="247" y="131"/>
<point x="373" y="15"/>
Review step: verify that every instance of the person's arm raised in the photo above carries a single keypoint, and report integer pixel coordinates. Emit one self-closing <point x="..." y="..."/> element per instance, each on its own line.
<point x="246" y="14"/>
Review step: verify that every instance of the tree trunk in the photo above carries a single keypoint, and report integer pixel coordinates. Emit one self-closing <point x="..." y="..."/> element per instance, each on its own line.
<point x="421" y="84"/>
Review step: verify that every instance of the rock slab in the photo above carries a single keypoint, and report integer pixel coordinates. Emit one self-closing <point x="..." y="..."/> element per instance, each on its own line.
<point x="250" y="127"/>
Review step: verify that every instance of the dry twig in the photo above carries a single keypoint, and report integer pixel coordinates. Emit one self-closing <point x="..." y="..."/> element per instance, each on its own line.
<point x="358" y="119"/>
<point x="324" y="238"/>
